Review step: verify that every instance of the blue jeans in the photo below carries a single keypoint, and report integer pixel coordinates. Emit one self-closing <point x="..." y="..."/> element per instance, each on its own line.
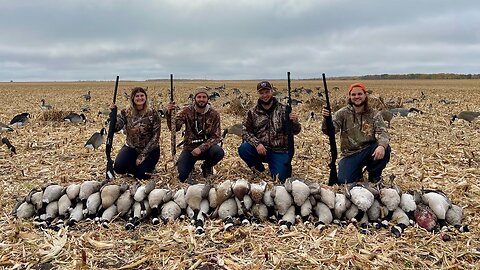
<point x="187" y="161"/>
<point x="350" y="168"/>
<point x="277" y="161"/>
<point x="126" y="158"/>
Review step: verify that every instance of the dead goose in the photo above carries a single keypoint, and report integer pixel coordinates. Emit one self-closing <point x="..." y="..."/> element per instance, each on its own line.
<point x="170" y="211"/>
<point x="362" y="198"/>
<point x="108" y="215"/>
<point x="224" y="191"/>
<point x="140" y="211"/>
<point x="179" y="199"/>
<point x="298" y="189"/>
<point x="76" y="215"/>
<point x="87" y="188"/>
<point x="408" y="203"/>
<point x="257" y="191"/>
<point x="200" y="218"/>
<point x="20" y="120"/>
<point x="439" y="203"/>
<point x="75" y="118"/>
<point x="282" y="199"/>
<point x="241" y="189"/>
<point x="244" y="207"/>
<point x="194" y="196"/>
<point x="454" y="217"/>
<point x="401" y="221"/>
<point x="227" y="211"/>
<point x="288" y="219"/>
<point x="156" y="198"/>
<point x="96" y="139"/>
<point x="51" y="193"/>
<point x="93" y="204"/>
<point x="425" y="217"/>
<point x="124" y="203"/>
<point x="24" y="210"/>
<point x="342" y="203"/>
<point x="109" y="195"/>
<point x="259" y="212"/>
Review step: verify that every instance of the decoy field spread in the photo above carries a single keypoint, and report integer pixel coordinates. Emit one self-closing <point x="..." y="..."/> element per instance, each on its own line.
<point x="431" y="150"/>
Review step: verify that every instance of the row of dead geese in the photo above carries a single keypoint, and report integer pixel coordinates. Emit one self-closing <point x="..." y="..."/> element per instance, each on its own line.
<point x="234" y="202"/>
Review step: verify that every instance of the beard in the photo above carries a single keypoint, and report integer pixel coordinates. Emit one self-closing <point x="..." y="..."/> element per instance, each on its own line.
<point x="201" y="106"/>
<point x="266" y="103"/>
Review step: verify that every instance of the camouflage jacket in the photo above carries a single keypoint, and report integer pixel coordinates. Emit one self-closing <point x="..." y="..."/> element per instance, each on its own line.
<point x="358" y="130"/>
<point x="143" y="131"/>
<point x="268" y="127"/>
<point x="202" y="130"/>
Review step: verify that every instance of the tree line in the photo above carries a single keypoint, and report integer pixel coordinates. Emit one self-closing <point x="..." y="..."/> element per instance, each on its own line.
<point x="411" y="76"/>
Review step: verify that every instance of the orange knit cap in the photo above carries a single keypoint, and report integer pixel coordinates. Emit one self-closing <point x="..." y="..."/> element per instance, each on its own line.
<point x="360" y="85"/>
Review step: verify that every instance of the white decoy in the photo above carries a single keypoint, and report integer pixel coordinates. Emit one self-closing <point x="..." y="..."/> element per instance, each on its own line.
<point x="324" y="214"/>
<point x="75" y="118"/>
<point x="227" y="211"/>
<point x="170" y="212"/>
<point x="20" y="120"/>
<point x="97" y="139"/>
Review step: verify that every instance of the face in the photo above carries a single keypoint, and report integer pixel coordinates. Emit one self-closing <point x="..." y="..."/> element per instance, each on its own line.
<point x="265" y="95"/>
<point x="357" y="97"/>
<point x="139" y="99"/>
<point x="201" y="100"/>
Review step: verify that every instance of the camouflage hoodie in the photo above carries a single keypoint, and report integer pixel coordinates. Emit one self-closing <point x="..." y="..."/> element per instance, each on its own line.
<point x="143" y="130"/>
<point x="267" y="127"/>
<point x="358" y="130"/>
<point x="202" y="130"/>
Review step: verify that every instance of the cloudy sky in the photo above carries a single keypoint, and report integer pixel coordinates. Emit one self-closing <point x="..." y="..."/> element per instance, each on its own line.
<point x="61" y="40"/>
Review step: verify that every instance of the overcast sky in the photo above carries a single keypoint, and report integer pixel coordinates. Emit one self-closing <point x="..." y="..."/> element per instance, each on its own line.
<point x="240" y="39"/>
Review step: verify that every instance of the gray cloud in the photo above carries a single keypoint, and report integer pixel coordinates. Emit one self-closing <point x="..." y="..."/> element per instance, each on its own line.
<point x="246" y="39"/>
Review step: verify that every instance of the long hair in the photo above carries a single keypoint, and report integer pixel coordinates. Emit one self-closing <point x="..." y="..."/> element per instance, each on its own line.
<point x="132" y="111"/>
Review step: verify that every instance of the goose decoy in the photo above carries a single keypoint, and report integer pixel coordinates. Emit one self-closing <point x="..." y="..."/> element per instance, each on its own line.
<point x="4" y="127"/>
<point x="404" y="111"/>
<point x="236" y="129"/>
<point x="96" y="139"/>
<point x="87" y="96"/>
<point x="12" y="148"/>
<point x="45" y="106"/>
<point x="20" y="120"/>
<point x="75" y="118"/>
<point x="466" y="115"/>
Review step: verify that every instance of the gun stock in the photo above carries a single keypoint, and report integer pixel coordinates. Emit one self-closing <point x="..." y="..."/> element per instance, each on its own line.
<point x="173" y="125"/>
<point x="110" y="174"/>
<point x="289" y="129"/>
<point x="333" y="178"/>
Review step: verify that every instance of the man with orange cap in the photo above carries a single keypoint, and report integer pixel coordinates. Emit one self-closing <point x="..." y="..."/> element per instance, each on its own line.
<point x="364" y="140"/>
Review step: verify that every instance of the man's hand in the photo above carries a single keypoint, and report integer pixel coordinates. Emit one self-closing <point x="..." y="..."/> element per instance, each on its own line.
<point x="293" y="116"/>
<point x="261" y="150"/>
<point x="196" y="152"/>
<point x="140" y="159"/>
<point x="171" y="106"/>
<point x="379" y="153"/>
<point x="325" y="112"/>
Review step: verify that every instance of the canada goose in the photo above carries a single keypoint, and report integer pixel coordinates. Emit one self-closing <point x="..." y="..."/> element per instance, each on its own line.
<point x="87" y="188"/>
<point x="94" y="202"/>
<point x="4" y="127"/>
<point x="51" y="193"/>
<point x="72" y="191"/>
<point x="141" y="196"/>
<point x="439" y="203"/>
<point x="282" y="199"/>
<point x="362" y="198"/>
<point x="401" y="221"/>
<point x="257" y="191"/>
<point x="227" y="211"/>
<point x="298" y="189"/>
<point x="306" y="209"/>
<point x="268" y="201"/>
<point x="212" y="198"/>
<point x="194" y="196"/>
<point x="390" y="197"/>
<point x="327" y="196"/>
<point x="179" y="198"/>
<point x="244" y="207"/>
<point x="404" y="111"/>
<point x="288" y="219"/>
<point x="200" y="218"/>
<point x="51" y="212"/>
<point x="324" y="215"/>
<point x="108" y="215"/>
<point x="259" y="212"/>
<point x="76" y="215"/>
<point x="170" y="211"/>
<point x="425" y="217"/>
<point x="75" y="118"/>
<point x="109" y="195"/>
<point x="140" y="211"/>
<point x="24" y="210"/>
<point x="96" y="139"/>
<point x="20" y="120"/>
<point x="12" y="148"/>
<point x="466" y="115"/>
<point x="124" y="203"/>
<point x="374" y="213"/>
<point x="236" y="129"/>
<point x="342" y="203"/>
<point x="408" y="205"/>
<point x="44" y="105"/>
<point x="224" y="191"/>
<point x="156" y="198"/>
<point x="87" y="96"/>
<point x="35" y="197"/>
<point x="387" y="116"/>
<point x="454" y="217"/>
<point x="64" y="206"/>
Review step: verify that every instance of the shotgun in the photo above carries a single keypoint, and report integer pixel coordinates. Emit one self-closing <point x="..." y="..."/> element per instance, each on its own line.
<point x="173" y="124"/>
<point x="289" y="129"/>
<point x="333" y="179"/>
<point x="111" y="131"/>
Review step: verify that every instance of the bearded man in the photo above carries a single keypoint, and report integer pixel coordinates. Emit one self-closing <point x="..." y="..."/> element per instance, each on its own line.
<point x="265" y="134"/>
<point x="202" y="135"/>
<point x="364" y="139"/>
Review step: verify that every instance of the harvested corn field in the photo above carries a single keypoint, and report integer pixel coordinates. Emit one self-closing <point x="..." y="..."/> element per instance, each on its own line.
<point x="428" y="151"/>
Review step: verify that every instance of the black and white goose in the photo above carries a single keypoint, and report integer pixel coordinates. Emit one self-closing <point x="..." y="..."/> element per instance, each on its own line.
<point x="75" y="118"/>
<point x="20" y="120"/>
<point x="45" y="106"/>
<point x="4" y="127"/>
<point x="96" y="139"/>
<point x="9" y="145"/>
